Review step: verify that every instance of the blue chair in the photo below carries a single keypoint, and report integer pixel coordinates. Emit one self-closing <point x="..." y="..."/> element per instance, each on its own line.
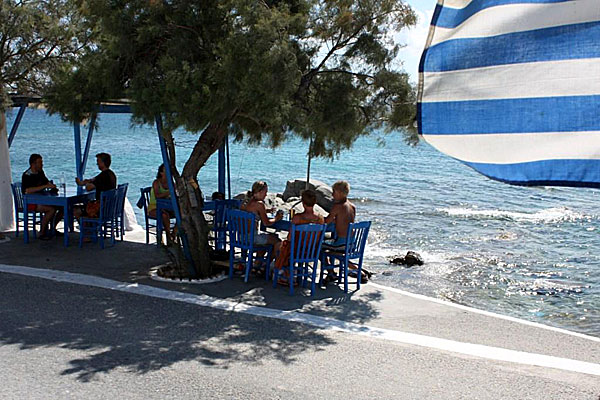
<point x="145" y="199"/>
<point x="353" y="250"/>
<point x="99" y="227"/>
<point x="120" y="210"/>
<point x="20" y="212"/>
<point x="305" y="247"/>
<point x="219" y="224"/>
<point x="242" y="227"/>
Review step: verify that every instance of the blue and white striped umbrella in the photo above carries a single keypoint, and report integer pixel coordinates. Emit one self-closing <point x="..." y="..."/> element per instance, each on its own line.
<point x="512" y="89"/>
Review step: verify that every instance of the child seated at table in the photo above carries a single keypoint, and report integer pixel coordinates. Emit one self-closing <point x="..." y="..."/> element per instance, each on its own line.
<point x="160" y="190"/>
<point x="342" y="213"/>
<point x="308" y="216"/>
<point x="254" y="203"/>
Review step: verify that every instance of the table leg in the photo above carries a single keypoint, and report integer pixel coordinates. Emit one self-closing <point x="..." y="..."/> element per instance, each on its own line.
<point x="66" y="224"/>
<point x="158" y="225"/>
<point x="26" y="220"/>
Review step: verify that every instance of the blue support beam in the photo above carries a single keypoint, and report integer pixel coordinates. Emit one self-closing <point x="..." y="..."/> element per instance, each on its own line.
<point x="15" y="126"/>
<point x="77" y="141"/>
<point x="174" y="203"/>
<point x="228" y="168"/>
<point x="221" y="187"/>
<point x="88" y="144"/>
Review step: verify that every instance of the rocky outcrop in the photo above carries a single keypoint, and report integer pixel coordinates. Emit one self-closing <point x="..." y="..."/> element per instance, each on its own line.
<point x="294" y="188"/>
<point x="411" y="258"/>
<point x="275" y="201"/>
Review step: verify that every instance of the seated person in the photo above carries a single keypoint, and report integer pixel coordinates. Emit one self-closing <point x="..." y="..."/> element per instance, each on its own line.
<point x="34" y="180"/>
<point x="308" y="216"/>
<point x="342" y="213"/>
<point x="217" y="196"/>
<point x="254" y="203"/>
<point x="105" y="180"/>
<point x="160" y="190"/>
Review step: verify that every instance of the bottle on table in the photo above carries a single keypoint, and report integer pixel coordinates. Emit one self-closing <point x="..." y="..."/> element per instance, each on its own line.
<point x="63" y="184"/>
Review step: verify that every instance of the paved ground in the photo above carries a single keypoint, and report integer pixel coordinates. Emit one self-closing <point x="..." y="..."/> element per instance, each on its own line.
<point x="63" y="340"/>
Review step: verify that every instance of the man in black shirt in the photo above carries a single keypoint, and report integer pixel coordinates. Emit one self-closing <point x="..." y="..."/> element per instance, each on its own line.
<point x="105" y="180"/>
<point x="34" y="180"/>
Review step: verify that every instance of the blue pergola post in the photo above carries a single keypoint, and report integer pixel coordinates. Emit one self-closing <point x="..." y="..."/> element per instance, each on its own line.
<point x="174" y="203"/>
<point x="77" y="141"/>
<point x="228" y="167"/>
<point x="222" y="168"/>
<point x="15" y="126"/>
<point x="88" y="144"/>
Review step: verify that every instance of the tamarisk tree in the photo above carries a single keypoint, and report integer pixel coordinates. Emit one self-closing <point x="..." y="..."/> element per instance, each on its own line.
<point x="262" y="71"/>
<point x="35" y="37"/>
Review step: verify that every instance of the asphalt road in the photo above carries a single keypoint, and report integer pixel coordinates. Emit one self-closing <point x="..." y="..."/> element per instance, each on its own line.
<point x="64" y="340"/>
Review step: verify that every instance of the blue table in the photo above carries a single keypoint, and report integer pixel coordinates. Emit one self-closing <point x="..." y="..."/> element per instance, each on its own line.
<point x="285" y="225"/>
<point x="64" y="200"/>
<point x="166" y="204"/>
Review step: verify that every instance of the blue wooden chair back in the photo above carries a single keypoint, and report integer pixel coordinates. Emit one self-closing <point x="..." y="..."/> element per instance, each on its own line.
<point x="17" y="192"/>
<point x="357" y="235"/>
<point x="241" y="227"/>
<point x="18" y="196"/>
<point x="145" y="200"/>
<point x="108" y="205"/>
<point x="120" y="208"/>
<point x="306" y="241"/>
<point x="221" y="209"/>
<point x="121" y="195"/>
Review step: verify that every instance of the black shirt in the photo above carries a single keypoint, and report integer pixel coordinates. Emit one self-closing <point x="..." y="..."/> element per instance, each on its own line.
<point x="105" y="180"/>
<point x="31" y="179"/>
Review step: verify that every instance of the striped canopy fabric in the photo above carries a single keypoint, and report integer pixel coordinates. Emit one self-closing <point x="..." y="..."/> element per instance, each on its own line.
<point x="512" y="89"/>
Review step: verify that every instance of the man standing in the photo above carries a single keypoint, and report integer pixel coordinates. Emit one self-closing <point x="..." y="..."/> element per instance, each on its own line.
<point x="105" y="180"/>
<point x="34" y="180"/>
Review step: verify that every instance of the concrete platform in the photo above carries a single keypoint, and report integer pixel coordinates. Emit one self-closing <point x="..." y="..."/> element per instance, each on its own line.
<point x="382" y="313"/>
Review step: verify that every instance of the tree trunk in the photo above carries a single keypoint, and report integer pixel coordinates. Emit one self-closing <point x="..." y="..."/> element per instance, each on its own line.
<point x="189" y="195"/>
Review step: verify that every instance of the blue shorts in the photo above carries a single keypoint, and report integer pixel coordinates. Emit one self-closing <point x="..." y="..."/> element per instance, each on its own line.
<point x="261" y="239"/>
<point x="335" y="244"/>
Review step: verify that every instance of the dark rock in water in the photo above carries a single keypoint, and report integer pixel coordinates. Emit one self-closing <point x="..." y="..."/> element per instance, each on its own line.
<point x="411" y="258"/>
<point x="387" y="273"/>
<point x="294" y="188"/>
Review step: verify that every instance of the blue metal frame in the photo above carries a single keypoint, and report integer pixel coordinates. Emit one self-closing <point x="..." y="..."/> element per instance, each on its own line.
<point x="221" y="177"/>
<point x="166" y="162"/>
<point x="15" y="126"/>
<point x="88" y="144"/>
<point x="228" y="167"/>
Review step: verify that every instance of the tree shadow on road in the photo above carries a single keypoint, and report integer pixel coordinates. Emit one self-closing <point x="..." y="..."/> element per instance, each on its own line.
<point x="141" y="334"/>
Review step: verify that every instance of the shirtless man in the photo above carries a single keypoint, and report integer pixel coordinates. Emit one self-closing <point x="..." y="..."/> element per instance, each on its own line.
<point x="343" y="213"/>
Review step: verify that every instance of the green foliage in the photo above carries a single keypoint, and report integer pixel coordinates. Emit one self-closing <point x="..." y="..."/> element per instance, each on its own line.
<point x="266" y="69"/>
<point x="35" y="38"/>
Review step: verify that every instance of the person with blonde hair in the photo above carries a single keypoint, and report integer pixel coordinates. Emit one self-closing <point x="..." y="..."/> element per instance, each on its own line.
<point x="342" y="213"/>
<point x="254" y="203"/>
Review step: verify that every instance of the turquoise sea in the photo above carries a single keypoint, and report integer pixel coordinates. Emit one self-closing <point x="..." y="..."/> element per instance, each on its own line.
<point x="531" y="253"/>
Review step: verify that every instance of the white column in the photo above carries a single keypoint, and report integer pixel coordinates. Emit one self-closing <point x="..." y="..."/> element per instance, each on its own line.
<point x="7" y="217"/>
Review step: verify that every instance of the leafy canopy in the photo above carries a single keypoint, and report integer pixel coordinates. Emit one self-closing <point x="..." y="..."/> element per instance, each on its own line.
<point x="265" y="69"/>
<point x="35" y="37"/>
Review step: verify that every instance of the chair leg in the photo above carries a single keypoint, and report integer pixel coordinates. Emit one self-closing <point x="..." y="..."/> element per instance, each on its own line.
<point x="275" y="277"/>
<point x="268" y="264"/>
<point x="101" y="237"/>
<point x="345" y="277"/>
<point x="291" y="280"/>
<point x="313" y="279"/>
<point x="231" y="254"/>
<point x="249" y="262"/>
